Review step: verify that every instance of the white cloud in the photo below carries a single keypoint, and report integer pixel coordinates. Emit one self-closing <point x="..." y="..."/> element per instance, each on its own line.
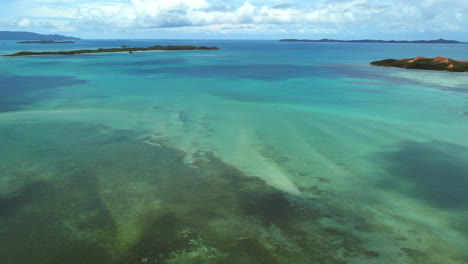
<point x="318" y="16"/>
<point x="52" y="12"/>
<point x="178" y="13"/>
<point x="24" y="23"/>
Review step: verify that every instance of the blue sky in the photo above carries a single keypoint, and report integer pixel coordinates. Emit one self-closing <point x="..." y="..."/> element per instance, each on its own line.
<point x="213" y="19"/>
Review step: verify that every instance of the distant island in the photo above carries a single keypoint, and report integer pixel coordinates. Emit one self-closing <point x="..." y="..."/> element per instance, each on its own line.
<point x="125" y="49"/>
<point x="437" y="41"/>
<point x="20" y="35"/>
<point x="45" y="42"/>
<point x="423" y="63"/>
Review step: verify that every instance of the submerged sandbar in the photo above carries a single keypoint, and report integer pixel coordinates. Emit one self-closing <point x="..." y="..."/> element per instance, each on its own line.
<point x="109" y="50"/>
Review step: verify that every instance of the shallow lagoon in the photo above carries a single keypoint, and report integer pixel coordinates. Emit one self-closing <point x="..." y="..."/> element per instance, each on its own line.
<point x="262" y="152"/>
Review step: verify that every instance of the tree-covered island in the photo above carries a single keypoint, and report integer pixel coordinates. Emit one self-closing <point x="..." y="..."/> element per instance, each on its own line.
<point x="109" y="50"/>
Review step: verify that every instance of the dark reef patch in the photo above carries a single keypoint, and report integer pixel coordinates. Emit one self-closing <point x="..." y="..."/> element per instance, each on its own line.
<point x="45" y="64"/>
<point x="359" y="72"/>
<point x="17" y="92"/>
<point x="158" y="62"/>
<point x="12" y="204"/>
<point x="272" y="208"/>
<point x="416" y="256"/>
<point x="323" y="180"/>
<point x="382" y="75"/>
<point x="458" y="89"/>
<point x="165" y="236"/>
<point x="264" y="72"/>
<point x="45" y="220"/>
<point x="250" y="97"/>
<point x="434" y="172"/>
<point x="115" y="199"/>
<point x="141" y="62"/>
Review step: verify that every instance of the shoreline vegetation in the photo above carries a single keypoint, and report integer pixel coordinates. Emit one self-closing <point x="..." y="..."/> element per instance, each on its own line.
<point x="423" y="63"/>
<point x="437" y="41"/>
<point x="45" y="42"/>
<point x="111" y="50"/>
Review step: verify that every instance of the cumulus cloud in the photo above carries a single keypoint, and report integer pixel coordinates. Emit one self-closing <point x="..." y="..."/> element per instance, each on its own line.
<point x="24" y="23"/>
<point x="248" y="16"/>
<point x="179" y="13"/>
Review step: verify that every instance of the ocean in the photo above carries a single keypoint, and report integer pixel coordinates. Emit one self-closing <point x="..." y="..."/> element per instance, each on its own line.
<point x="260" y="152"/>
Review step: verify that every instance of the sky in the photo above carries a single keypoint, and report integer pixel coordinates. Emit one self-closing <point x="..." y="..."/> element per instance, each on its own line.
<point x="239" y="19"/>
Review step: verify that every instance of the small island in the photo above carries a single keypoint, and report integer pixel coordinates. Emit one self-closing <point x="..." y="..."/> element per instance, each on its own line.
<point x="423" y="63"/>
<point x="109" y="50"/>
<point x="436" y="41"/>
<point x="45" y="42"/>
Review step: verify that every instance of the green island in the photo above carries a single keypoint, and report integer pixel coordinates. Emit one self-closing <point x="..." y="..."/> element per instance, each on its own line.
<point x="123" y="49"/>
<point x="423" y="63"/>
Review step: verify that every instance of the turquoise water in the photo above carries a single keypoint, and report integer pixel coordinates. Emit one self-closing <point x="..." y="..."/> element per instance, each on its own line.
<point x="261" y="152"/>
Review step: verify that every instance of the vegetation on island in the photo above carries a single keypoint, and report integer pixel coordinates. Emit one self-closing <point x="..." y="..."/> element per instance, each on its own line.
<point x="130" y="50"/>
<point x="423" y="63"/>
